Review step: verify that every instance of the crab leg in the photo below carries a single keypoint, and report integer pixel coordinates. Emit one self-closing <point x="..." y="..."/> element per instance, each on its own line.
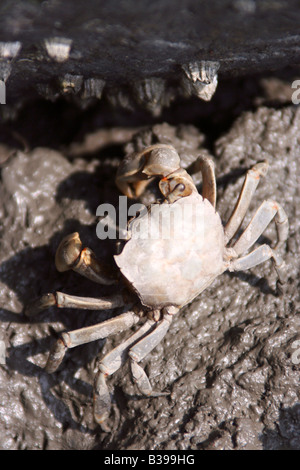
<point x="70" y="255"/>
<point x="265" y="213"/>
<point x="141" y="349"/>
<point x="258" y="256"/>
<point x="88" y="334"/>
<point x="61" y="300"/>
<point x="250" y="184"/>
<point x="261" y="219"/>
<point x="110" y="364"/>
<point x="207" y="168"/>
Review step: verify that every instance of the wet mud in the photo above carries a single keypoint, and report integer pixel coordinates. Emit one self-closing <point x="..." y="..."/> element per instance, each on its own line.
<point x="230" y="359"/>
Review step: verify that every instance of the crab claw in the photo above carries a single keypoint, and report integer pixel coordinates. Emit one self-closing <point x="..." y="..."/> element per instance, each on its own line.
<point x="138" y="169"/>
<point x="68" y="252"/>
<point x="70" y="255"/>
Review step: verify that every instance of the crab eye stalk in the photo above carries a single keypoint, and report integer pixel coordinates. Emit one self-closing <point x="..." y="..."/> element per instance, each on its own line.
<point x="179" y="188"/>
<point x="176" y="185"/>
<point x="179" y="191"/>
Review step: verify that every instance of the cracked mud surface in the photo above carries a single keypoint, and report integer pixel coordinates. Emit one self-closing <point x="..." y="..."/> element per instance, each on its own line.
<point x="229" y="359"/>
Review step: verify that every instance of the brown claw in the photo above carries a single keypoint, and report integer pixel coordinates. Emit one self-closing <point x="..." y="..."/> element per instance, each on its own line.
<point x="138" y="169"/>
<point x="68" y="252"/>
<point x="70" y="255"/>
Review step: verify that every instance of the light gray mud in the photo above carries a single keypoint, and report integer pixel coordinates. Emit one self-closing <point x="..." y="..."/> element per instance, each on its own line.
<point x="230" y="358"/>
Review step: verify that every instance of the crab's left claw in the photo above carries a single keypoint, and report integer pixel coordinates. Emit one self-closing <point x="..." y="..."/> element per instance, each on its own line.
<point x="138" y="169"/>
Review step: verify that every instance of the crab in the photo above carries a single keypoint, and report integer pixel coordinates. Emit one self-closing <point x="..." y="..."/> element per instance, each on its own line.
<point x="158" y="275"/>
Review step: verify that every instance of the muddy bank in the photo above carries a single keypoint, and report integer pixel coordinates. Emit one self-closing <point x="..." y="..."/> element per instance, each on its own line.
<point x="229" y="358"/>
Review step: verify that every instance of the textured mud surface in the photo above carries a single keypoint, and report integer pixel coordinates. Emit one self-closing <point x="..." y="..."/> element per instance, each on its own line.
<point x="230" y="358"/>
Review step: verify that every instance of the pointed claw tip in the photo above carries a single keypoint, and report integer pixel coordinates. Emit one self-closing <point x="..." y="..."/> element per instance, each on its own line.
<point x="101" y="419"/>
<point x="38" y="305"/>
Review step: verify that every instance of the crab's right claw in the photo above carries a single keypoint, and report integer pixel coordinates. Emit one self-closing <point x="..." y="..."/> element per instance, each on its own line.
<point x="138" y="169"/>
